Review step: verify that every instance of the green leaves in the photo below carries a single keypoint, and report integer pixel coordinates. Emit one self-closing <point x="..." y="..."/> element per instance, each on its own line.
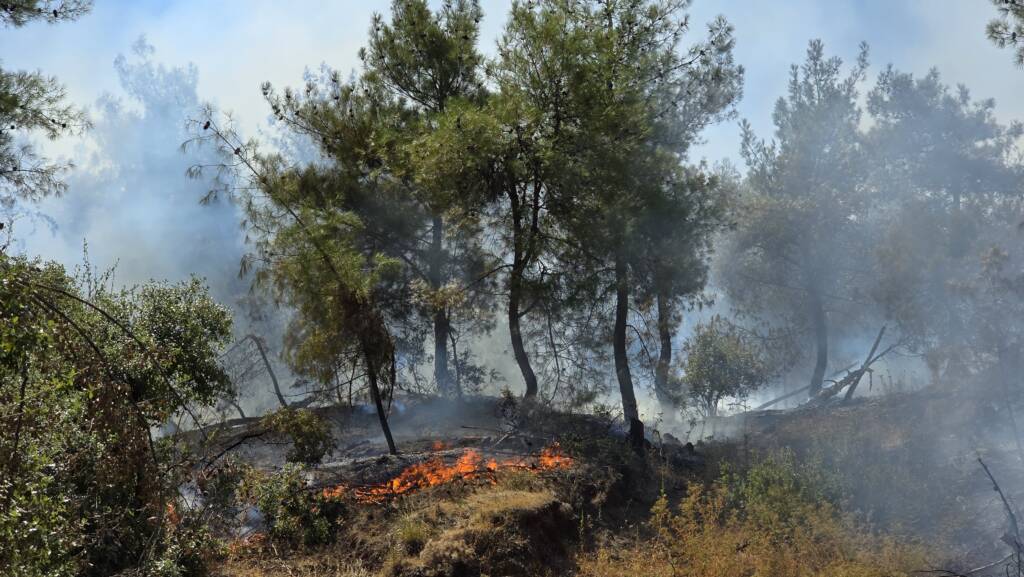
<point x="424" y="56"/>
<point x="85" y="372"/>
<point x="720" y="362"/>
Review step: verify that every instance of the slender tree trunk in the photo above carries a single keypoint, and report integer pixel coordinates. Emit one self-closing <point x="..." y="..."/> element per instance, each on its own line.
<point x="441" y="373"/>
<point x="661" y="390"/>
<point x="372" y="374"/>
<point x="515" y="331"/>
<point x="1008" y="370"/>
<point x="457" y="363"/>
<point x="629" y="406"/>
<point x="820" y="322"/>
<point x="441" y="322"/>
<point x="515" y="295"/>
<point x="270" y="369"/>
<point x="237" y="407"/>
<point x="15" y="460"/>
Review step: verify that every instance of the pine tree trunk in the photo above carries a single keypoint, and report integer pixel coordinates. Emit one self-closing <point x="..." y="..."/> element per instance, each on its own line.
<point x="270" y="369"/>
<point x="372" y="375"/>
<point x="441" y="373"/>
<point x="441" y="322"/>
<point x="629" y="407"/>
<point x="820" y="322"/>
<point x="515" y="332"/>
<point x="515" y="289"/>
<point x="664" y="357"/>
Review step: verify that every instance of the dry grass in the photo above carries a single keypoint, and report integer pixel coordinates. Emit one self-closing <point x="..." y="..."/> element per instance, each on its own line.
<point x="778" y="519"/>
<point x="497" y="531"/>
<point x="319" y="564"/>
<point x="739" y="527"/>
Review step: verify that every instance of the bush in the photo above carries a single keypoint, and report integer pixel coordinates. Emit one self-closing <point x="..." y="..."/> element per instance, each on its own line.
<point x="294" y="514"/>
<point x="86" y="373"/>
<point x="721" y="363"/>
<point x="309" y="433"/>
<point x="776" y="519"/>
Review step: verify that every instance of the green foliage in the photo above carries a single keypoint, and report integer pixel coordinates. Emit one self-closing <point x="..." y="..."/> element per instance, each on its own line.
<point x="85" y="373"/>
<point x="1008" y="29"/>
<point x="294" y="514"/>
<point x="795" y="258"/>
<point x="310" y="434"/>
<point x="779" y="494"/>
<point x="427" y="57"/>
<point x="949" y="163"/>
<point x="720" y="362"/>
<point x="32" y="102"/>
<point x="17" y="13"/>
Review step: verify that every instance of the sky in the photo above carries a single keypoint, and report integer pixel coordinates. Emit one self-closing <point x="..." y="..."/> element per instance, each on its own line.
<point x="237" y="44"/>
<point x="143" y="67"/>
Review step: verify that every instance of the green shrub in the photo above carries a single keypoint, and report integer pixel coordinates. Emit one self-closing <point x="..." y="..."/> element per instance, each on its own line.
<point x="309" y="433"/>
<point x="86" y="373"/>
<point x="293" y="513"/>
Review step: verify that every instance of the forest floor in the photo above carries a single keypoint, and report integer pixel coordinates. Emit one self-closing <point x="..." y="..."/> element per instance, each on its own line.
<point x="886" y="485"/>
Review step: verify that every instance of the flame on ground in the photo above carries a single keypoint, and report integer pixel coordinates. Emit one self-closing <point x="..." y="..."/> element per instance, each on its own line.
<point x="470" y="465"/>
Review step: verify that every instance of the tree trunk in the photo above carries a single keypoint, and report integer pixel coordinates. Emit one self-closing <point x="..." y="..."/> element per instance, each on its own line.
<point x="661" y="391"/>
<point x="515" y="291"/>
<point x="515" y="331"/>
<point x="441" y="321"/>
<point x="629" y="407"/>
<point x="818" y="318"/>
<point x="1008" y="370"/>
<point x="441" y="373"/>
<point x="372" y="376"/>
<point x="270" y="370"/>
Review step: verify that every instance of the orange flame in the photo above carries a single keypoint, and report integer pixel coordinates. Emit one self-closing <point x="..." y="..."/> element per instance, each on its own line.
<point x="470" y="465"/>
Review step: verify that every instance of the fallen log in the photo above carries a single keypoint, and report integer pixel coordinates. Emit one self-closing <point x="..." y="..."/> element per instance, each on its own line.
<point x="792" y="394"/>
<point x="782" y="398"/>
<point x="852" y="380"/>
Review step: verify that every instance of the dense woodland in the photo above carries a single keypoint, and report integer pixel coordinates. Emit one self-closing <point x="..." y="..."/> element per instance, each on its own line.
<point x="546" y="197"/>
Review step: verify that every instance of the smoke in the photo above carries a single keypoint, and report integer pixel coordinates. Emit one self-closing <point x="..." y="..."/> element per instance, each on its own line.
<point x="130" y="206"/>
<point x="129" y="198"/>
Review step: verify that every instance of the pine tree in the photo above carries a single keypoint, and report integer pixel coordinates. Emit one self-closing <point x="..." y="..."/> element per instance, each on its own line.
<point x="1008" y="29"/>
<point x="31" y="102"/>
<point x="802" y="237"/>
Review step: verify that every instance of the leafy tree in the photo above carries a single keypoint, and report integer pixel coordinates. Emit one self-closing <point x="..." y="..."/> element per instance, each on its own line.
<point x="372" y="226"/>
<point x="313" y="250"/>
<point x="721" y="363"/>
<point x="948" y="167"/>
<point x="539" y="74"/>
<point x="802" y="231"/>
<point x="86" y="374"/>
<point x="627" y="104"/>
<point x="1008" y="29"/>
<point x="426" y="61"/>
<point x="310" y="434"/>
<point x="31" y="102"/>
<point x="673" y="259"/>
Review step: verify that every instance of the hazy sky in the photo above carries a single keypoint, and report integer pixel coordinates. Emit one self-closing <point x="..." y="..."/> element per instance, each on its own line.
<point x="235" y="45"/>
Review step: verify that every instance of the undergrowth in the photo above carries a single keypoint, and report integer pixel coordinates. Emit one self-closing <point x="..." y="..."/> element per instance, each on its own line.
<point x="777" y="519"/>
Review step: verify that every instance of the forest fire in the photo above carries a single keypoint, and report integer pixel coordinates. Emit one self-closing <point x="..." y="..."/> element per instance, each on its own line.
<point x="470" y="465"/>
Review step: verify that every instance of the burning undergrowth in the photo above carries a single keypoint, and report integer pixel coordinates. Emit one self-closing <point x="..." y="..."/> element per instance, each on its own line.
<point x="469" y="466"/>
<point x="491" y="496"/>
<point x="552" y="494"/>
